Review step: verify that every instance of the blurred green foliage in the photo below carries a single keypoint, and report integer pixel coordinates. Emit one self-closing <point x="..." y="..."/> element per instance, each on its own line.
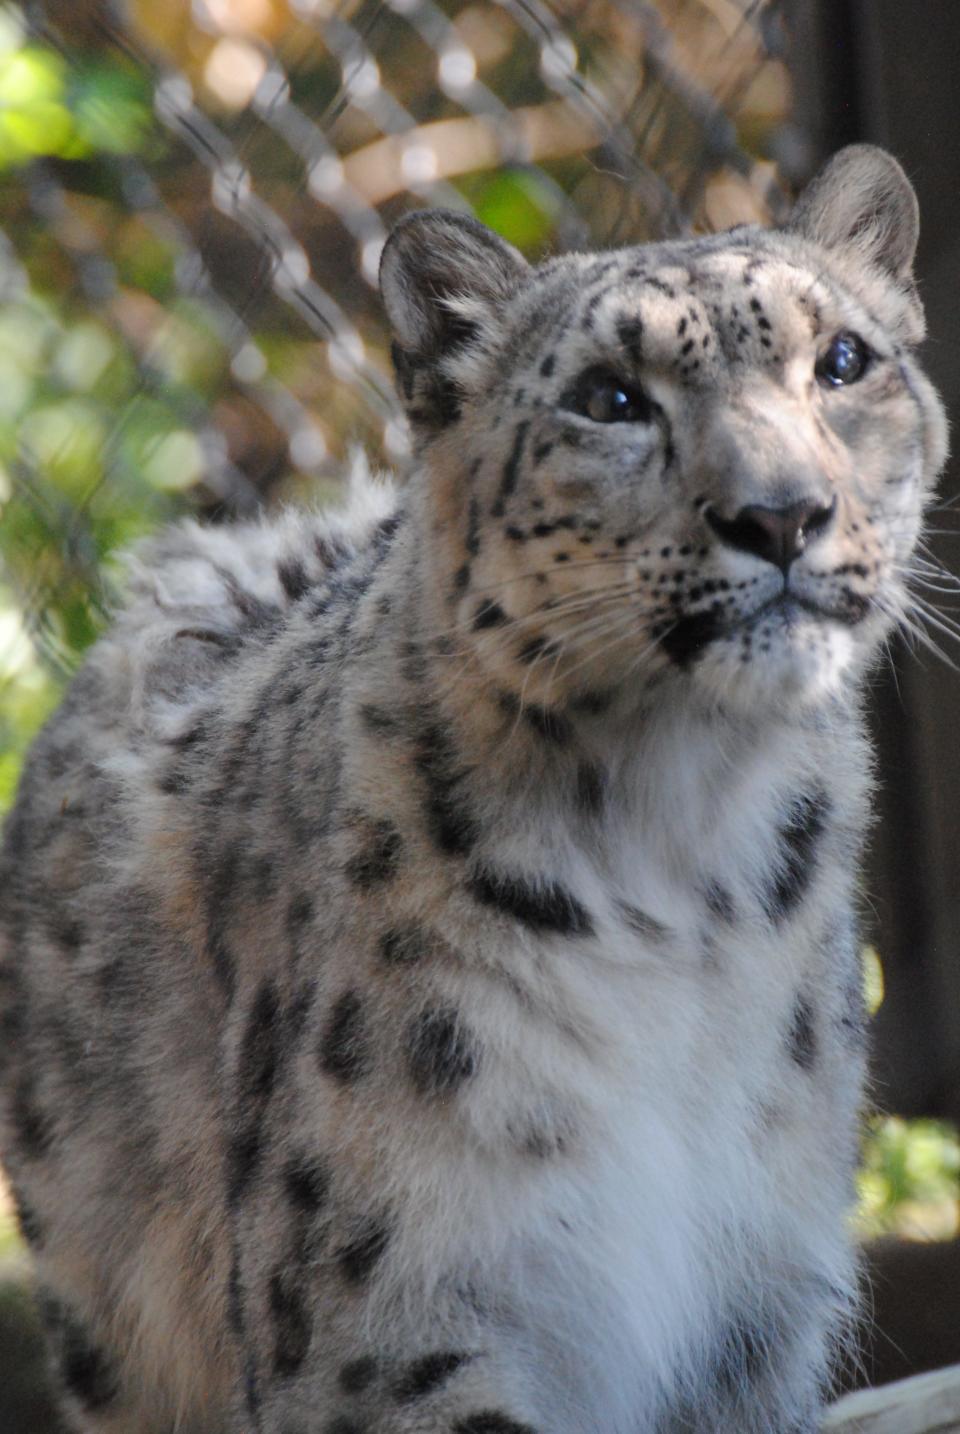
<point x="909" y="1179"/>
<point x="51" y="108"/>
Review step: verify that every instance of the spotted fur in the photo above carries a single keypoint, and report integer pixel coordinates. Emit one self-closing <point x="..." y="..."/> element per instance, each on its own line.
<point x="428" y="980"/>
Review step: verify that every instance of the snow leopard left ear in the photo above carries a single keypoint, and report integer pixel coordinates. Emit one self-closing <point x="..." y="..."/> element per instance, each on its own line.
<point x="441" y="274"/>
<point x="862" y="202"/>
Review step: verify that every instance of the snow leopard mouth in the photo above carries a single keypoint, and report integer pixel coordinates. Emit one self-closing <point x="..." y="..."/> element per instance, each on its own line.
<point x="693" y="634"/>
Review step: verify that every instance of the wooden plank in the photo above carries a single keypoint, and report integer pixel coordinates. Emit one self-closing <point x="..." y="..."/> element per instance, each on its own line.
<point x="926" y="1404"/>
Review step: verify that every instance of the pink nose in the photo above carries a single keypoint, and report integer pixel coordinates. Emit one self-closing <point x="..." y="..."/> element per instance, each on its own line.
<point x="777" y="535"/>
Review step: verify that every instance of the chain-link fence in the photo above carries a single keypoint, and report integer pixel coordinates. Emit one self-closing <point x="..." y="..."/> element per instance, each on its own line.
<point x="193" y="200"/>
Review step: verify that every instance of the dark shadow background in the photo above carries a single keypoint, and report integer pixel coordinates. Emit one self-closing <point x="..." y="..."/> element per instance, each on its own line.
<point x="886" y="72"/>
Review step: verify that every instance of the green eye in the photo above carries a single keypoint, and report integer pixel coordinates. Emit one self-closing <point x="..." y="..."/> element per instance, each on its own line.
<point x="604" y="397"/>
<point x="844" y="361"/>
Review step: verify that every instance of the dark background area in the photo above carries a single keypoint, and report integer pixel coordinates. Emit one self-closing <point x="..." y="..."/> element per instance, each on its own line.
<point x="886" y="72"/>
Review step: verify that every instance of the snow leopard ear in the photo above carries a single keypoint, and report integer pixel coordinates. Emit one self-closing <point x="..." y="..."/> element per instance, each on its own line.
<point x="863" y="202"/>
<point x="441" y="275"/>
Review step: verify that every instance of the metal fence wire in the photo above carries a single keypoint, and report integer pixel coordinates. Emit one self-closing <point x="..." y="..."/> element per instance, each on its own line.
<point x="193" y="201"/>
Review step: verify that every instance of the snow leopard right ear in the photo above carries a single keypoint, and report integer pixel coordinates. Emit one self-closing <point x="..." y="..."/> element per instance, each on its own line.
<point x="862" y="202"/>
<point x="443" y="276"/>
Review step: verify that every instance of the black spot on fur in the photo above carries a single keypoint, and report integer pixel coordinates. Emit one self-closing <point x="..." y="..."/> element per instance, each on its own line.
<point x="31" y="1227"/>
<point x="592" y="704"/>
<point x="269" y="1035"/>
<point x="744" y="1356"/>
<point x="543" y="906"/>
<point x="358" y="1258"/>
<point x="642" y="922"/>
<point x="802" y="1039"/>
<point x="798" y="839"/>
<point x="441" y="1052"/>
<point x="235" y="1317"/>
<point x="536" y="647"/>
<point x="32" y="1126"/>
<point x="590" y="787"/>
<point x="542" y="450"/>
<point x="342" y="1425"/>
<point x="548" y="723"/>
<point x="68" y="933"/>
<point x="379" y="720"/>
<point x="511" y="470"/>
<point x="660" y="286"/>
<point x="220" y="894"/>
<point x="630" y="334"/>
<point x="307" y="1180"/>
<point x="385" y="532"/>
<point x="251" y="1387"/>
<point x="293" y="578"/>
<point x="13" y="1010"/>
<point x="379" y="859"/>
<point x="472" y="541"/>
<point x="683" y="641"/>
<point x="490" y="1421"/>
<point x="427" y="1374"/>
<point x="854" y="1017"/>
<point x="548" y="365"/>
<point x="449" y="821"/>
<point x="446" y="400"/>
<point x="461" y="578"/>
<point x="719" y="901"/>
<point x="343" y="1051"/>
<point x="292" y="1323"/>
<point x="488" y="614"/>
<point x="86" y="1371"/>
<point x="244" y="1153"/>
<point x="358" y="1374"/>
<point x="300" y="911"/>
<point x="403" y="945"/>
<point x="257" y="1066"/>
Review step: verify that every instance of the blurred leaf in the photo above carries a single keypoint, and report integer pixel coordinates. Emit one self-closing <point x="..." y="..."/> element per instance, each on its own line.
<point x="112" y="109"/>
<point x="909" y="1182"/>
<point x="31" y="76"/>
<point x="516" y="203"/>
<point x="65" y="441"/>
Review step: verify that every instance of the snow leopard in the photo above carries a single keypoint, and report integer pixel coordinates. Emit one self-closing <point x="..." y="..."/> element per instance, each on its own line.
<point x="431" y="998"/>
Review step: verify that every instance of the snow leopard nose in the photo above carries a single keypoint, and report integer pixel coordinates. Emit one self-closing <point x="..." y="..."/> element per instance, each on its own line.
<point x="778" y="535"/>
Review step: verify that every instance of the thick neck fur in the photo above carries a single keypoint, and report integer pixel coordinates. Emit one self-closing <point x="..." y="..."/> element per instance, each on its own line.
<point x="580" y="784"/>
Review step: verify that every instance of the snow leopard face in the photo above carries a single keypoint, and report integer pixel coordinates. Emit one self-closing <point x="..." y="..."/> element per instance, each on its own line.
<point x="699" y="463"/>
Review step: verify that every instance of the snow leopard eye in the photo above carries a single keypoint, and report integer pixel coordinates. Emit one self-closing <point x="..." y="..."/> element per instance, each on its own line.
<point x="603" y="396"/>
<point x="844" y="361"/>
